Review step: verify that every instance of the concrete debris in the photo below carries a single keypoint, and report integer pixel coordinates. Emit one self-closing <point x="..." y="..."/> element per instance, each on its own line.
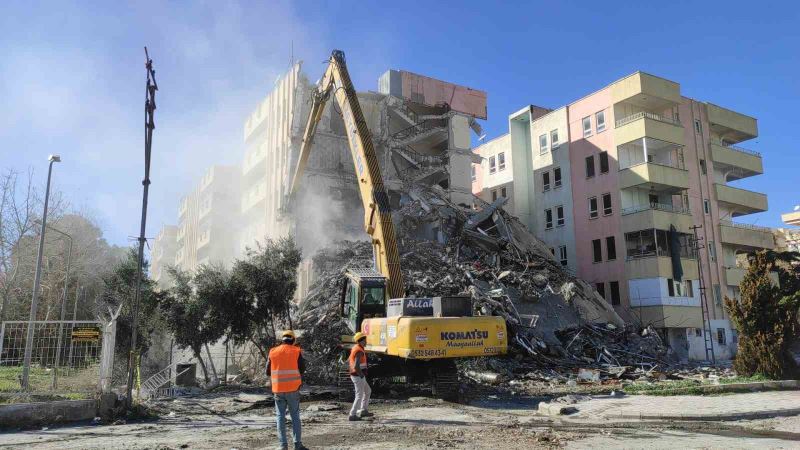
<point x="556" y="322"/>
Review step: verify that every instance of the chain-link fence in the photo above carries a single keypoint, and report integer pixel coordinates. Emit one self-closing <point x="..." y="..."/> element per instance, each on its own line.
<point x="66" y="357"/>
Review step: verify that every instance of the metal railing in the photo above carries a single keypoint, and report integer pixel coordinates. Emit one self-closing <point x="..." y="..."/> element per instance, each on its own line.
<point x="736" y="148"/>
<point x="679" y="209"/>
<point x="746" y="226"/>
<point x="646" y="115"/>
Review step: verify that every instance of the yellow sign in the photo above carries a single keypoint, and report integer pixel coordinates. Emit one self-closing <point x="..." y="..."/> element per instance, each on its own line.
<point x="86" y="334"/>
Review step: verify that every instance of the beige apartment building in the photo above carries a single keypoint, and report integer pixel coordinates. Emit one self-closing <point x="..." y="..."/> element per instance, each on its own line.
<point x="162" y="255"/>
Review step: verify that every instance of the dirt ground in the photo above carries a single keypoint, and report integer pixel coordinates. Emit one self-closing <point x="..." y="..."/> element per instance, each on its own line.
<point x="236" y="420"/>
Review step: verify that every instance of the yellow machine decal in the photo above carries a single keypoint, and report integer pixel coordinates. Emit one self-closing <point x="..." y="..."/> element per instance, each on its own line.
<point x="439" y="337"/>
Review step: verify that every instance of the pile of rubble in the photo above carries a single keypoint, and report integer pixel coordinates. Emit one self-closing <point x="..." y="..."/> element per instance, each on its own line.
<point x="554" y="320"/>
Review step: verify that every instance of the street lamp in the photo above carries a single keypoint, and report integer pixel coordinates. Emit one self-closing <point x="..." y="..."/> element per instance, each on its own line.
<point x="26" y="368"/>
<point x="63" y="304"/>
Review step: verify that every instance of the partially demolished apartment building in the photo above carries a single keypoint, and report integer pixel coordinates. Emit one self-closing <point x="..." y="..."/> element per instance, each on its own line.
<point x="614" y="182"/>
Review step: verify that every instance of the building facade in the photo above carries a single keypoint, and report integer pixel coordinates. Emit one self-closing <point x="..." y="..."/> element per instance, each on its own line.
<point x="641" y="169"/>
<point x="162" y="255"/>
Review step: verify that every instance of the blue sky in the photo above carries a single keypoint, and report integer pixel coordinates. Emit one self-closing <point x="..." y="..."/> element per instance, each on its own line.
<point x="73" y="77"/>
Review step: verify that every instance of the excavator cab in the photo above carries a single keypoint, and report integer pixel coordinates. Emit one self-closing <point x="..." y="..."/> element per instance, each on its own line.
<point x="363" y="296"/>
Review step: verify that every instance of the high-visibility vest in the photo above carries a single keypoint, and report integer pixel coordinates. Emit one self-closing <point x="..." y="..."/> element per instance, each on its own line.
<point x="284" y="369"/>
<point x="357" y="352"/>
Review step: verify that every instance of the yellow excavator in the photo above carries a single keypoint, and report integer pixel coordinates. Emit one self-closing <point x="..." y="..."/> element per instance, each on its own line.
<point x="413" y="339"/>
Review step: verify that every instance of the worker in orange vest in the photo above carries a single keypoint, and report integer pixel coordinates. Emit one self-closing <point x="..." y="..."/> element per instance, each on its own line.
<point x="358" y="374"/>
<point x="285" y="366"/>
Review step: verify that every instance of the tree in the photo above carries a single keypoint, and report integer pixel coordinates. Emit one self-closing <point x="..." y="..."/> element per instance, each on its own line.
<point x="766" y="316"/>
<point x="118" y="286"/>
<point x="20" y="208"/>
<point x="267" y="277"/>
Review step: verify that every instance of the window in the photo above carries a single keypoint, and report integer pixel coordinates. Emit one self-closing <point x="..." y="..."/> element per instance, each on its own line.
<point x="503" y="193"/>
<point x="600" y="121"/>
<point x="706" y="206"/>
<point x="721" y="336"/>
<point x="557" y="176"/>
<point x="593" y="207"/>
<point x="597" y="251"/>
<point x="554" y="139"/>
<point x="548" y="219"/>
<point x="603" y="162"/>
<point x="697" y="127"/>
<point x="501" y="160"/>
<point x="545" y="181"/>
<point x="614" y="287"/>
<point x="607" y="209"/>
<point x="553" y="251"/>
<point x="492" y="165"/>
<point x="712" y="251"/>
<point x="494" y="195"/>
<point x="670" y="287"/>
<point x="589" y="166"/>
<point x="587" y="126"/>
<point x="679" y="288"/>
<point x="686" y="202"/>
<point x="559" y="215"/>
<point x="717" y="294"/>
<point x="611" y="248"/>
<point x="562" y="253"/>
<point x="688" y="289"/>
<point x="543" y="144"/>
<point x="698" y="332"/>
<point x="474" y="174"/>
<point x="601" y="289"/>
<point x="703" y="166"/>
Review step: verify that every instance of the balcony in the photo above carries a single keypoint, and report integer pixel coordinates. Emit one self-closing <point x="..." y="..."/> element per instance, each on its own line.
<point x="655" y="176"/>
<point x="659" y="266"/>
<point x="737" y="161"/>
<point x="646" y="91"/>
<point x="792" y="218"/>
<point x="656" y="215"/>
<point x="740" y="201"/>
<point x="649" y="254"/>
<point x="253" y="160"/>
<point x="730" y="125"/>
<point x="735" y="275"/>
<point x="204" y="239"/>
<point x="750" y="237"/>
<point x="646" y="124"/>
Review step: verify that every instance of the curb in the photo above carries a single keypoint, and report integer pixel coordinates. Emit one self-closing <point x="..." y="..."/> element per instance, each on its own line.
<point x="736" y="387"/>
<point x="713" y="417"/>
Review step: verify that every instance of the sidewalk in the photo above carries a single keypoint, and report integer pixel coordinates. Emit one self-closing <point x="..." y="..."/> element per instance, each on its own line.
<point x="754" y="405"/>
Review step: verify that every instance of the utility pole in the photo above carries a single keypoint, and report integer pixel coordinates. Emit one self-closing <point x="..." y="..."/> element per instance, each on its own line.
<point x="149" y="125"/>
<point x="26" y="367"/>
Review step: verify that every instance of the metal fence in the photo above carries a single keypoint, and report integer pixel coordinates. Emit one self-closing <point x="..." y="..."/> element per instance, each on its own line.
<point x="66" y="356"/>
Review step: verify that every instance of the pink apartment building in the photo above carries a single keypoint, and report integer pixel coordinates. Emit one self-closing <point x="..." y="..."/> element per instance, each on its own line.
<point x="640" y="170"/>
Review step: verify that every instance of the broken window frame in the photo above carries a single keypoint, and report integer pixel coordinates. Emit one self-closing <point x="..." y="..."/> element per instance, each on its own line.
<point x="611" y="248"/>
<point x="600" y="121"/>
<point x="721" y="338"/>
<point x="562" y="253"/>
<point x="601" y="289"/>
<point x="608" y="208"/>
<point x="597" y="250"/>
<point x="554" y="139"/>
<point x="548" y="219"/>
<point x="603" y="157"/>
<point x="593" y="212"/>
<point x="614" y="288"/>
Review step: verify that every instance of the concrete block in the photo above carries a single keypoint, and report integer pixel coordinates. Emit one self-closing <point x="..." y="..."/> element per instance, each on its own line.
<point x="34" y="414"/>
<point x="556" y="409"/>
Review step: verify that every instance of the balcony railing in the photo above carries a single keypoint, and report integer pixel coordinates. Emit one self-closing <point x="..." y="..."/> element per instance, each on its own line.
<point x="679" y="209"/>
<point x="746" y="226"/>
<point x="646" y="115"/>
<point x="736" y="148"/>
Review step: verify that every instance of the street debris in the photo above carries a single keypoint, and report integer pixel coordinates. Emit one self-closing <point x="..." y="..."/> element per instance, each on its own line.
<point x="558" y="325"/>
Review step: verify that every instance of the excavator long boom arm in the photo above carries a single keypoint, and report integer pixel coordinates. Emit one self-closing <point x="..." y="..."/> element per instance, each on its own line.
<point x="377" y="212"/>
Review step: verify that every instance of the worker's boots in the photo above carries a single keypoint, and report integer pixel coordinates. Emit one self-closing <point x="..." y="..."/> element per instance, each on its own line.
<point x="363" y="414"/>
